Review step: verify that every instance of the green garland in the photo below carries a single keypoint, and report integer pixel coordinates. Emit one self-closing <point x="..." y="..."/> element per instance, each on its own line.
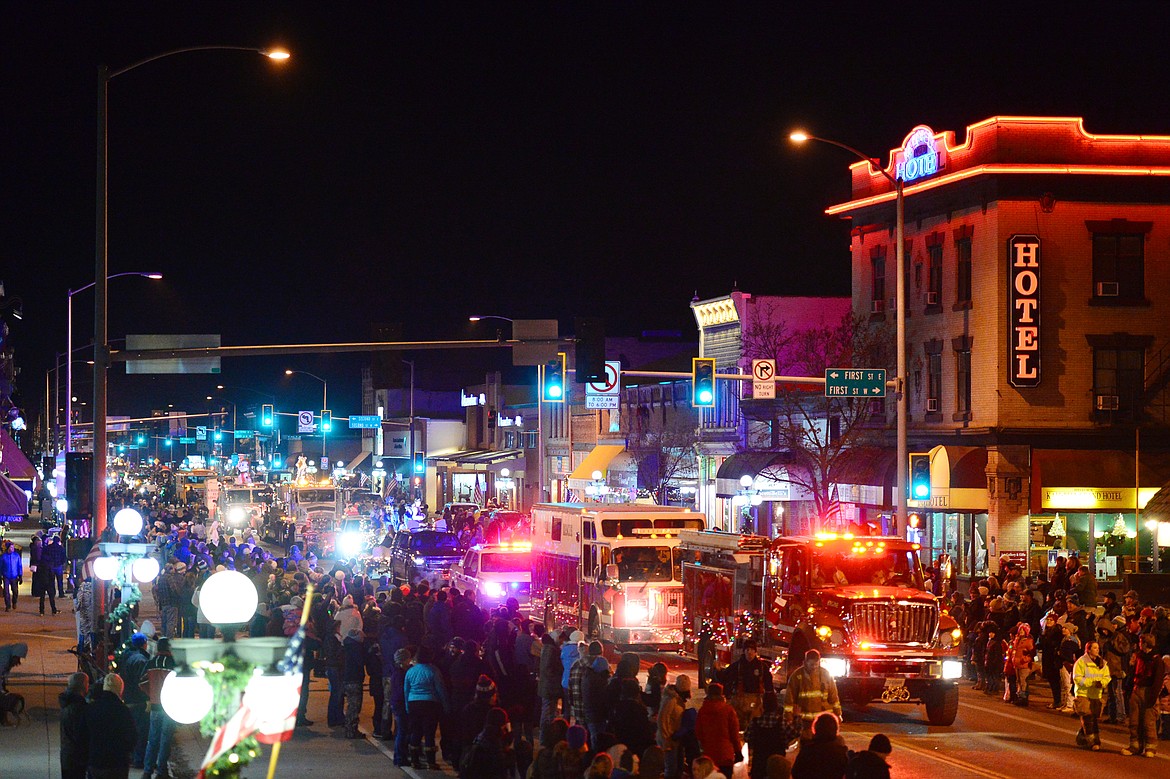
<point x="228" y="677"/>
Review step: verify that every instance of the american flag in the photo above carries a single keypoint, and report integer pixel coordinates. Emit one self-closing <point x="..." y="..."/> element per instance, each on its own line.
<point x="478" y="497"/>
<point x="292" y="664"/>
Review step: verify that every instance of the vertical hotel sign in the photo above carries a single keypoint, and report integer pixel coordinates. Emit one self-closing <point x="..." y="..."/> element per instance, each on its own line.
<point x="1024" y="311"/>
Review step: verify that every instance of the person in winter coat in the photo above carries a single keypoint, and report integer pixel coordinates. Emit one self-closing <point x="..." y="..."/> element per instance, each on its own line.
<point x="811" y="690"/>
<point x="1091" y="676"/>
<point x="871" y="763"/>
<point x="594" y="679"/>
<point x="162" y="727"/>
<point x="629" y="720"/>
<point x="766" y="735"/>
<point x="426" y="698"/>
<point x="747" y="679"/>
<point x="1050" y="640"/>
<point x="825" y="755"/>
<point x="353" y="677"/>
<point x="133" y="671"/>
<point x="544" y="765"/>
<point x="111" y="731"/>
<point x="1070" y="647"/>
<point x="1018" y="666"/>
<point x="548" y="680"/>
<point x="1115" y="648"/>
<point x="74" y="731"/>
<point x="993" y="660"/>
<point x="570" y="651"/>
<point x="571" y="754"/>
<point x="11" y="574"/>
<point x="54" y="558"/>
<point x="1148" y="680"/>
<point x="627" y="668"/>
<point x="717" y="727"/>
<point x="490" y="755"/>
<point x="670" y="713"/>
<point x="396" y="704"/>
<point x="470" y="720"/>
<point x="43" y="584"/>
<point x="652" y="693"/>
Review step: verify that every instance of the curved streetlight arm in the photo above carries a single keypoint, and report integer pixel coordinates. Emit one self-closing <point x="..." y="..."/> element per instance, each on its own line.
<point x="271" y="54"/>
<point x="489" y="316"/>
<point x="873" y="162"/>
<point x="290" y="372"/>
<point x="92" y="284"/>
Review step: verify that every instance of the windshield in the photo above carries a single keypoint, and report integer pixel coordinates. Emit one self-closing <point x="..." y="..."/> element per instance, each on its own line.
<point x="896" y="568"/>
<point x="506" y="561"/>
<point x="315" y="496"/>
<point x="434" y="543"/>
<point x="645" y="563"/>
<point x="241" y="496"/>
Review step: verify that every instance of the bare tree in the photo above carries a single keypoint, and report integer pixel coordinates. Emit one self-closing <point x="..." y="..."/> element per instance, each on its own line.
<point x="814" y="429"/>
<point x="663" y="445"/>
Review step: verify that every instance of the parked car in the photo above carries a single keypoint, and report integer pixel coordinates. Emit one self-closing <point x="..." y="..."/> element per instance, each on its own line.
<point x="424" y="555"/>
<point x="495" y="573"/>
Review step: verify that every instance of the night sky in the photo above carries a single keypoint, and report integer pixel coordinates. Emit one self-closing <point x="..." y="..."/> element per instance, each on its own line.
<point x="420" y="162"/>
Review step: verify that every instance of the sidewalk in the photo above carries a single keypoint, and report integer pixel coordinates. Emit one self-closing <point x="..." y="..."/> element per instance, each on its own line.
<point x="31" y="749"/>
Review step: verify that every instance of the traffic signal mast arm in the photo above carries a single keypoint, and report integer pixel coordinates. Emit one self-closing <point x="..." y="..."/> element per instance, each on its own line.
<point x="731" y="377"/>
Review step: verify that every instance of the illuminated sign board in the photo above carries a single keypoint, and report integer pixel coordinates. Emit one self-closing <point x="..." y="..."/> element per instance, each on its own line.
<point x="1093" y="498"/>
<point x="920" y="155"/>
<point x="1024" y="311"/>
<point x="472" y="399"/>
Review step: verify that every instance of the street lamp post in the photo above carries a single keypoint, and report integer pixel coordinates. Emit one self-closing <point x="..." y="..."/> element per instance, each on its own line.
<point x="101" y="347"/>
<point x="324" y="402"/>
<point x="900" y="285"/>
<point x="69" y="350"/>
<point x="411" y="364"/>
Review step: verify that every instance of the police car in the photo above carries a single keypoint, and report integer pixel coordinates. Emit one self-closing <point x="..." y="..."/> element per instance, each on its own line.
<point x="495" y="573"/>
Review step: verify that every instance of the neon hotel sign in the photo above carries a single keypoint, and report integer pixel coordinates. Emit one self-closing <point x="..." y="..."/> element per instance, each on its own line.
<point x="1024" y="311"/>
<point x="920" y="155"/>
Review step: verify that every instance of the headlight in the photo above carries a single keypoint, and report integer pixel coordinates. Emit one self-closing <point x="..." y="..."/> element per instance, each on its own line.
<point x="635" y="612"/>
<point x="349" y="544"/>
<point x="952" y="669"/>
<point x="237" y="515"/>
<point x="836" y="666"/>
<point x="950" y="638"/>
<point x="493" y="590"/>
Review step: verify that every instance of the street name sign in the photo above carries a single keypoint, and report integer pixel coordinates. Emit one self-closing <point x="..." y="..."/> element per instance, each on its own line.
<point x="763" y="379"/>
<point x="364" y="421"/>
<point x="606" y="393"/>
<point x="186" y="440"/>
<point x="243" y="434"/>
<point x="855" y="382"/>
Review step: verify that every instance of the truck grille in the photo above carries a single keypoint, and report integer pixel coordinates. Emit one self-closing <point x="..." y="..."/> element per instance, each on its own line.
<point x="668" y="608"/>
<point x="894" y="623"/>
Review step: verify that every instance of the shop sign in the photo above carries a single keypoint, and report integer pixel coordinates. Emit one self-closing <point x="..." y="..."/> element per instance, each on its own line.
<point x="1024" y="311"/>
<point x="920" y="155"/>
<point x="1015" y="557"/>
<point x="503" y="421"/>
<point x="1093" y="498"/>
<point x="472" y="399"/>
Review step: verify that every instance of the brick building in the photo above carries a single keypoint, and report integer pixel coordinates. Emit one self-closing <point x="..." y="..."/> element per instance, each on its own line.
<point x="1038" y="323"/>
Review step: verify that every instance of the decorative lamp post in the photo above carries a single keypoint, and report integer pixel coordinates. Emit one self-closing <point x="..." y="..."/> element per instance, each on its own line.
<point x="247" y="687"/>
<point x="749" y="498"/>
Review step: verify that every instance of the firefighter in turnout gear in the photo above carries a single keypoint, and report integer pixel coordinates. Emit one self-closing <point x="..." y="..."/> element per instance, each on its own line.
<point x="811" y="690"/>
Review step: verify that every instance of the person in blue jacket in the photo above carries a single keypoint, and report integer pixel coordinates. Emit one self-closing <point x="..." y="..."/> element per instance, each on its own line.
<point x="570" y="651"/>
<point x="12" y="573"/>
<point x="426" y="700"/>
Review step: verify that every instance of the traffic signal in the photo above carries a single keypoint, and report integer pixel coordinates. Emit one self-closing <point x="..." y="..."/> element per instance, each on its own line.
<point x="920" y="476"/>
<point x="590" y="350"/>
<point x="217" y="435"/>
<point x="276" y="460"/>
<point x="267" y="415"/>
<point x="141" y="440"/>
<point x="703" y="382"/>
<point x="326" y="420"/>
<point x="420" y="462"/>
<point x="553" y="389"/>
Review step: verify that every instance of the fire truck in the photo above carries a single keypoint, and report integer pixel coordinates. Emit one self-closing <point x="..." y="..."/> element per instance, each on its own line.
<point x="860" y="600"/>
<point x="612" y="569"/>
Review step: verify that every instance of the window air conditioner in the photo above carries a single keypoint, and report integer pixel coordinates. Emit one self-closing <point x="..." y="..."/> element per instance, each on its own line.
<point x="932" y="298"/>
<point x="1107" y="403"/>
<point x="878" y="306"/>
<point x="932" y="404"/>
<point x="1107" y="289"/>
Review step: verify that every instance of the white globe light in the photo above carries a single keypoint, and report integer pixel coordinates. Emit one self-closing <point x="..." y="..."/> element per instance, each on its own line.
<point x="62" y="505"/>
<point x="745" y="481"/>
<point x="145" y="569"/>
<point x="186" y="698"/>
<point x="597" y="475"/>
<point x="128" y="522"/>
<point x="273" y="697"/>
<point x="228" y="598"/>
<point x="106" y="568"/>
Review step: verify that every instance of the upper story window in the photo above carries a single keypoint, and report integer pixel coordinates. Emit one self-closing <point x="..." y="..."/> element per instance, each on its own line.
<point x="963" y="270"/>
<point x="1119" y="264"/>
<point x="877" y="267"/>
<point x="934" y="270"/>
<point x="934" y="382"/>
<point x="1118" y="373"/>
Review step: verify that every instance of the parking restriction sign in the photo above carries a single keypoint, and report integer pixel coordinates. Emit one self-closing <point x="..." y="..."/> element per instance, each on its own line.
<point x="604" y="394"/>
